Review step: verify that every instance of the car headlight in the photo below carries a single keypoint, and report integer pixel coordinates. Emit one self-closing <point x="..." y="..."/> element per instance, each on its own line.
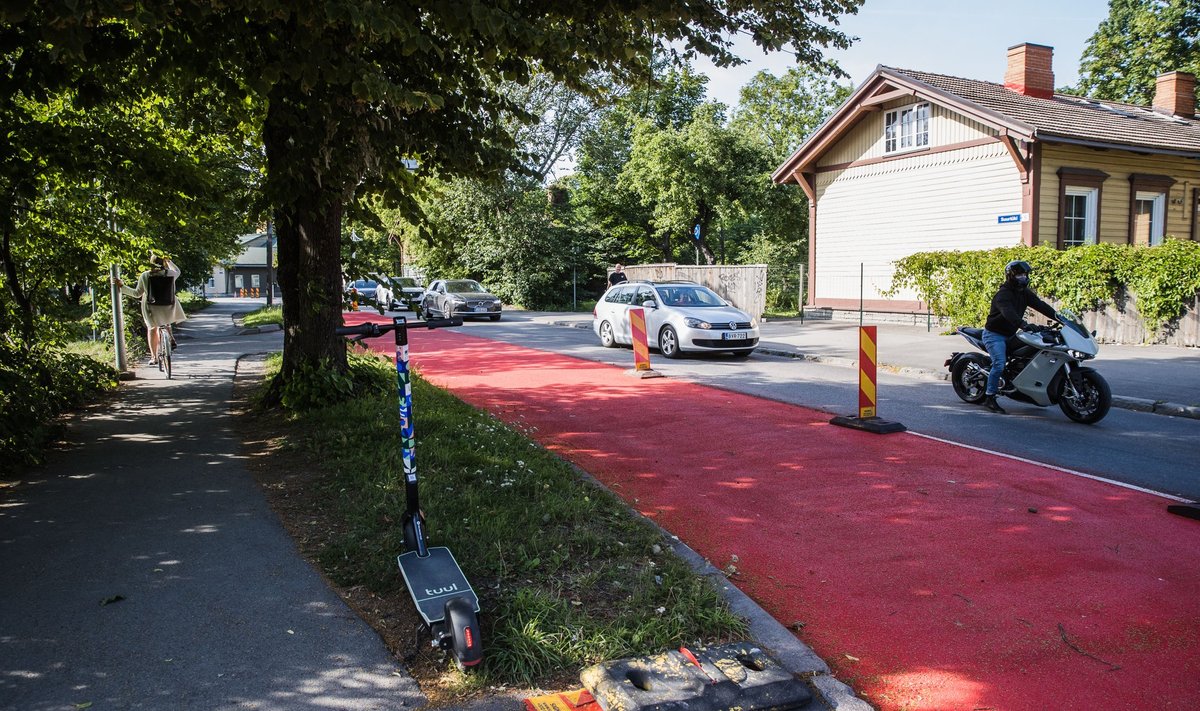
<point x="753" y="323"/>
<point x="696" y="323"/>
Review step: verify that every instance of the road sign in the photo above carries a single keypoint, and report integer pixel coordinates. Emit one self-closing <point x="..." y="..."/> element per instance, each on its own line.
<point x="696" y="233"/>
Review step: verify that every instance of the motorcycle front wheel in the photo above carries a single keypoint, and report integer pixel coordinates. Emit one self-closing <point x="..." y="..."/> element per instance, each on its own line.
<point x="969" y="377"/>
<point x="1093" y="400"/>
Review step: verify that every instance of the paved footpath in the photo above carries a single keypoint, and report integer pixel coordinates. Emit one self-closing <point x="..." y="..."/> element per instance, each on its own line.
<point x="141" y="568"/>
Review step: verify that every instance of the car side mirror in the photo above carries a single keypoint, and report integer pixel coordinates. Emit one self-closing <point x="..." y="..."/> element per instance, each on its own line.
<point x="650" y="304"/>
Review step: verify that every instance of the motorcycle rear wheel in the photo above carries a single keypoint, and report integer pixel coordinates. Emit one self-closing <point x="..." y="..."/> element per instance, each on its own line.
<point x="970" y="383"/>
<point x="1093" y="402"/>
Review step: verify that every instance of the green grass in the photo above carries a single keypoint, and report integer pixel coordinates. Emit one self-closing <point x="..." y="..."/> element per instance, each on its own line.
<point x="567" y="574"/>
<point x="263" y="316"/>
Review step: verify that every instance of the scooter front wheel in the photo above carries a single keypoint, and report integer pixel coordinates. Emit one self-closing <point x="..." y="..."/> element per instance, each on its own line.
<point x="1092" y="399"/>
<point x="969" y="377"/>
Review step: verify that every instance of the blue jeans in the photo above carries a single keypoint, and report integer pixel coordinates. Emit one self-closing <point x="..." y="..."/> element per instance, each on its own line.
<point x="997" y="348"/>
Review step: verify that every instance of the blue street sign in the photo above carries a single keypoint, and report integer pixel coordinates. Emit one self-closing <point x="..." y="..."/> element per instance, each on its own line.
<point x="696" y="233"/>
<point x="1005" y="219"/>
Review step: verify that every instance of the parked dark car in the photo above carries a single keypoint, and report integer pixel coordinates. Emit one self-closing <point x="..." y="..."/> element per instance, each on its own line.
<point x="459" y="297"/>
<point x="365" y="288"/>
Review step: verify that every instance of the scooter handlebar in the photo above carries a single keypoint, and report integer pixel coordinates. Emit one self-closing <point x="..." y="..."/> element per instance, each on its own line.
<point x="373" y="330"/>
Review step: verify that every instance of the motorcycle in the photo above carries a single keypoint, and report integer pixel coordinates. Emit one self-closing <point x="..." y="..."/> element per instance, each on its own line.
<point x="1042" y="368"/>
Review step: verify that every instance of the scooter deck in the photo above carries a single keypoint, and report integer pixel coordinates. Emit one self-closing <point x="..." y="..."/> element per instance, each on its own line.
<point x="433" y="580"/>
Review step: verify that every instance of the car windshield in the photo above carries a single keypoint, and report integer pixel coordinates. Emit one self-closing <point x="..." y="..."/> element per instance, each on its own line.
<point x="689" y="295"/>
<point x="465" y="286"/>
<point x="404" y="281"/>
<point x="364" y="284"/>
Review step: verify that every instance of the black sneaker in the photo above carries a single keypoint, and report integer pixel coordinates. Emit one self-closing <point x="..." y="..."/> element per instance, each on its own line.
<point x="990" y="403"/>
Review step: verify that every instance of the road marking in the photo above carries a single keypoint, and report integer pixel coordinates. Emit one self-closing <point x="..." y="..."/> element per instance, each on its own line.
<point x="1064" y="470"/>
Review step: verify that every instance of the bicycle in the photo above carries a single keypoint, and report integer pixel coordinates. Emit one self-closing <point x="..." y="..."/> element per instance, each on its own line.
<point x="163" y="356"/>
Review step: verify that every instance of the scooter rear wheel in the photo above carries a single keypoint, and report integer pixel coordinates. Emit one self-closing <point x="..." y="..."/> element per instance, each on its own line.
<point x="969" y="377"/>
<point x="463" y="627"/>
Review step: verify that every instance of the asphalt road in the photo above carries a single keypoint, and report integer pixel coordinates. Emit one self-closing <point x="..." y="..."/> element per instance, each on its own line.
<point x="1144" y="450"/>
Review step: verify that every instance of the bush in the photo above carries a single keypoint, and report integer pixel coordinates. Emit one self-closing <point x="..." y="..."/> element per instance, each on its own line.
<point x="323" y="385"/>
<point x="959" y="285"/>
<point x="35" y="388"/>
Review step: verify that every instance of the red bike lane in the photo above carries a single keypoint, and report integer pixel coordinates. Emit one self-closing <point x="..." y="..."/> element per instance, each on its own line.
<point x="929" y="576"/>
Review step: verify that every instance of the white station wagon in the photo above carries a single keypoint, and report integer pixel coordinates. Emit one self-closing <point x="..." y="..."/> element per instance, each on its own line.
<point x="681" y="316"/>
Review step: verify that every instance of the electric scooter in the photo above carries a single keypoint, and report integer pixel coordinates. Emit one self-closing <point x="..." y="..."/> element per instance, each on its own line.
<point x="439" y="589"/>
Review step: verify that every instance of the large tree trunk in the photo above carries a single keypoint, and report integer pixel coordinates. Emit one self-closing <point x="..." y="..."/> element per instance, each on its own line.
<point x="308" y="220"/>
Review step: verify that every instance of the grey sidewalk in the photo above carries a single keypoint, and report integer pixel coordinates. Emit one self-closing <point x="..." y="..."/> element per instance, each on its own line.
<point x="142" y="567"/>
<point x="1160" y="379"/>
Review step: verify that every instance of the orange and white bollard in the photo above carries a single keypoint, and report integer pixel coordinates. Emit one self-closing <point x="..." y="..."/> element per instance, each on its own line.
<point x="867" y="418"/>
<point x="641" y="346"/>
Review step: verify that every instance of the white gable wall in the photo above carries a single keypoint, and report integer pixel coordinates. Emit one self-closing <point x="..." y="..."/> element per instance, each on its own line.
<point x="870" y="215"/>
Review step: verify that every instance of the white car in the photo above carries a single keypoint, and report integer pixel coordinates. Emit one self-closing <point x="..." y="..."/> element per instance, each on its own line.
<point x="681" y="316"/>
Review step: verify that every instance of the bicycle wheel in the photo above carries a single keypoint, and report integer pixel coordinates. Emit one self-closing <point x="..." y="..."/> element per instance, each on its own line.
<point x="164" y="351"/>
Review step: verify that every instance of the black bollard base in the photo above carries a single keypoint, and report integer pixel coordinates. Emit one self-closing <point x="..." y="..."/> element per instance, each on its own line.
<point x="1185" y="510"/>
<point x="873" y="425"/>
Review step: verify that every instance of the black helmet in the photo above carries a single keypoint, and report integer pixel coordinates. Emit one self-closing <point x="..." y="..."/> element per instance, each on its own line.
<point x="1017" y="266"/>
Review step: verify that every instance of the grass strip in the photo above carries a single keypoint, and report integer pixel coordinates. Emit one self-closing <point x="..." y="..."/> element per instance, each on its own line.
<point x="567" y="575"/>
<point x="264" y="316"/>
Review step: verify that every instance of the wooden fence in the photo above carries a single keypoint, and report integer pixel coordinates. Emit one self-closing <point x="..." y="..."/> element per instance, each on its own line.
<point x="744" y="286"/>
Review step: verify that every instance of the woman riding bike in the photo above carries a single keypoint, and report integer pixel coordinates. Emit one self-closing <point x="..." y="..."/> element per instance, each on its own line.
<point x="156" y="289"/>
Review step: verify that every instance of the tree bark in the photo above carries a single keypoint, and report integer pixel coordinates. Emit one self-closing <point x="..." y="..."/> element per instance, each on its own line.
<point x="12" y="279"/>
<point x="308" y="220"/>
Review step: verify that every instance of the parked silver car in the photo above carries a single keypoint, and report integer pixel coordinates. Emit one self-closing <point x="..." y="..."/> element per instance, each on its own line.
<point x="459" y="297"/>
<point x="680" y="316"/>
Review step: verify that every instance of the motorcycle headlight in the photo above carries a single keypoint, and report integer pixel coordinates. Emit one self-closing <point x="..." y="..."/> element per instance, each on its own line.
<point x="696" y="323"/>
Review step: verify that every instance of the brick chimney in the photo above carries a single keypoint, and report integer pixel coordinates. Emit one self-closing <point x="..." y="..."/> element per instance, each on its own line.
<point x="1175" y="94"/>
<point x="1030" y="71"/>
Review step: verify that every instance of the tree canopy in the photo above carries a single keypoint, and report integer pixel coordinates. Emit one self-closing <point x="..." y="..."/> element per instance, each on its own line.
<point x="1139" y="40"/>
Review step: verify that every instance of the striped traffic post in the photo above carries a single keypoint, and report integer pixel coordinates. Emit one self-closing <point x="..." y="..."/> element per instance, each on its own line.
<point x="641" y="346"/>
<point x="866" y="371"/>
<point x="867" y="418"/>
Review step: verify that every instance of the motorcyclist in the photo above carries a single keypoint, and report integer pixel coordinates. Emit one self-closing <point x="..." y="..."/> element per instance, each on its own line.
<point x="1006" y="317"/>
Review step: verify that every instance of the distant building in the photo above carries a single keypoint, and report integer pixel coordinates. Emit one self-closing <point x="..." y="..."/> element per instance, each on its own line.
<point x="248" y="271"/>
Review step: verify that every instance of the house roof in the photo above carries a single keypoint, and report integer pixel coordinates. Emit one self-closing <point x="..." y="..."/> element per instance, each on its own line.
<point x="1061" y="118"/>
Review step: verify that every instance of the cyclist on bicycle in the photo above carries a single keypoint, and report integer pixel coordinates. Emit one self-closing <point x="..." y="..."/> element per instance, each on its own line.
<point x="156" y="289"/>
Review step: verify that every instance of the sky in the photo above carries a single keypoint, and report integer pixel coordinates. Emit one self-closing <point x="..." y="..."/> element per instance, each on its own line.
<point x="964" y="38"/>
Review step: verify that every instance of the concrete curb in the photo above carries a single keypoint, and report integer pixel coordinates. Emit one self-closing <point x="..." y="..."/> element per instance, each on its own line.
<point x="1155" y="407"/>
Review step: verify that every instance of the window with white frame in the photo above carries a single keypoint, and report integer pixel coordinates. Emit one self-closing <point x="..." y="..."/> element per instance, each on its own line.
<point x="1080" y="193"/>
<point x="1079" y="216"/>
<point x="906" y="129"/>
<point x="1149" y="211"/>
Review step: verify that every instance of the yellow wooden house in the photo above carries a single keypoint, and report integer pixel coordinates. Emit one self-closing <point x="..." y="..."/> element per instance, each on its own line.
<point x="915" y="162"/>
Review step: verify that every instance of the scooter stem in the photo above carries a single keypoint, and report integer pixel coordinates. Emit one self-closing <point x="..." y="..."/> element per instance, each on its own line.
<point x="407" y="439"/>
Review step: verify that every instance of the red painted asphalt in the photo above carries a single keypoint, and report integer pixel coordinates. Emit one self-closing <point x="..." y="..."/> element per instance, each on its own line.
<point x="929" y="576"/>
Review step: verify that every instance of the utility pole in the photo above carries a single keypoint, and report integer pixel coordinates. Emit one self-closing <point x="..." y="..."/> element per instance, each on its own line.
<point x="118" y="315"/>
<point x="270" y="263"/>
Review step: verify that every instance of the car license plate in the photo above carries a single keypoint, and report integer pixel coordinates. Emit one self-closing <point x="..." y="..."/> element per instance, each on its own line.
<point x="734" y="336"/>
<point x="480" y="308"/>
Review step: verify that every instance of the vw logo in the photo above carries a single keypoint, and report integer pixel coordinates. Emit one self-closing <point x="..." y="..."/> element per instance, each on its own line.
<point x="733" y="325"/>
